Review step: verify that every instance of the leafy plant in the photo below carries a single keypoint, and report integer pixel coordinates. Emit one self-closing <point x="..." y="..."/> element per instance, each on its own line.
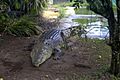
<point x="62" y="12"/>
<point x="25" y="6"/>
<point x="14" y="17"/>
<point x="25" y="26"/>
<point x="63" y="4"/>
<point x="38" y="5"/>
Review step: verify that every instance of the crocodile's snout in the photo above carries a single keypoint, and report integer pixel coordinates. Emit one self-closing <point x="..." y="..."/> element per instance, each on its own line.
<point x="39" y="58"/>
<point x="36" y="59"/>
<point x="35" y="64"/>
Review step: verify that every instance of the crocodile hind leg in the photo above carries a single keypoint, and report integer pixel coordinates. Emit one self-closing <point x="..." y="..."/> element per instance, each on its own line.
<point x="57" y="53"/>
<point x="64" y="41"/>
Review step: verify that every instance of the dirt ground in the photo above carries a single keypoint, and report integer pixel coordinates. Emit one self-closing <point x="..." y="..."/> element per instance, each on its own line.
<point x="78" y="62"/>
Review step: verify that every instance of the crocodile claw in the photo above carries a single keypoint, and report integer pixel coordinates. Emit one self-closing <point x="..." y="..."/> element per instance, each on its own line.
<point x="56" y="58"/>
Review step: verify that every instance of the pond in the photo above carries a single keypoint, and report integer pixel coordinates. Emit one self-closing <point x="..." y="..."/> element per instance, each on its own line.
<point x="95" y="25"/>
<point x="96" y="30"/>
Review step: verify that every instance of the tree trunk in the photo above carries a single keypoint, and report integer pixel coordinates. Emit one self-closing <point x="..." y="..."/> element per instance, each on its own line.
<point x="115" y="43"/>
<point x="115" y="60"/>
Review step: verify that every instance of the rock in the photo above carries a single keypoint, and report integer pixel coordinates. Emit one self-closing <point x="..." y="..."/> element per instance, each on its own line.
<point x="46" y="76"/>
<point x="1" y="79"/>
<point x="57" y="79"/>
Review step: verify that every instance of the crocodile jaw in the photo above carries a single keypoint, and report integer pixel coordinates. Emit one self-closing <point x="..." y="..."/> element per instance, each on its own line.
<point x="40" y="58"/>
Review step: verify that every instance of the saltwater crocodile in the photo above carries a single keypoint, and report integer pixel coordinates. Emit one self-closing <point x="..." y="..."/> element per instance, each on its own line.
<point x="49" y="43"/>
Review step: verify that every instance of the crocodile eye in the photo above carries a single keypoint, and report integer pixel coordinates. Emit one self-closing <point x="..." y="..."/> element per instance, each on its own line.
<point x="47" y="43"/>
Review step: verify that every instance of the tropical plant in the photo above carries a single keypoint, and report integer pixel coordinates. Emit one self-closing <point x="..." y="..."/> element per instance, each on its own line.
<point x="25" y="26"/>
<point x="15" y="16"/>
<point x="77" y="3"/>
<point x="25" y="6"/>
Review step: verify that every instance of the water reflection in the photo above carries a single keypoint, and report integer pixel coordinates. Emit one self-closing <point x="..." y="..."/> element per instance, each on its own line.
<point x="96" y="30"/>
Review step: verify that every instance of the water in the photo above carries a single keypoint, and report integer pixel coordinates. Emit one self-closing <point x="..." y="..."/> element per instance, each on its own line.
<point x="96" y="30"/>
<point x="93" y="30"/>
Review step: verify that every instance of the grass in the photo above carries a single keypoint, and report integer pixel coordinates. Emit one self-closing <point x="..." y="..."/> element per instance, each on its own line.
<point x="61" y="7"/>
<point x="83" y="11"/>
<point x="64" y="4"/>
<point x="62" y="12"/>
<point x="101" y="56"/>
<point x="81" y="21"/>
<point x="84" y="21"/>
<point x="78" y="11"/>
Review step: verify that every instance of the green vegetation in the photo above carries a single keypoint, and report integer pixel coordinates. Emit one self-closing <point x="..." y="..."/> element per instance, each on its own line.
<point x="61" y="12"/>
<point x="23" y="6"/>
<point x="82" y="21"/>
<point x="78" y="10"/>
<point x="16" y="17"/>
<point x="62" y="8"/>
<point x="64" y="4"/>
<point x="24" y="26"/>
<point x="101" y="56"/>
<point x="83" y="11"/>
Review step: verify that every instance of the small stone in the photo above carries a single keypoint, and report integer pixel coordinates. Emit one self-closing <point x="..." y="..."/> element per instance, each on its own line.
<point x="100" y="56"/>
<point x="46" y="76"/>
<point x="1" y="79"/>
<point x="75" y="48"/>
<point x="57" y="79"/>
<point x="93" y="47"/>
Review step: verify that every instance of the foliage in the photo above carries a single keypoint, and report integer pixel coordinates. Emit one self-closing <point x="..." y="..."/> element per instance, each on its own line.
<point x="62" y="12"/>
<point x="82" y="21"/>
<point x="25" y="6"/>
<point x="38" y="5"/>
<point x="84" y="10"/>
<point x="15" y="16"/>
<point x="78" y="3"/>
<point x="62" y="8"/>
<point x="23" y="26"/>
<point x="81" y="11"/>
<point x="64" y="4"/>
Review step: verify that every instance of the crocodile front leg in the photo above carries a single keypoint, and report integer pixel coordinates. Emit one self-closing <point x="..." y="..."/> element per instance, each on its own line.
<point x="57" y="53"/>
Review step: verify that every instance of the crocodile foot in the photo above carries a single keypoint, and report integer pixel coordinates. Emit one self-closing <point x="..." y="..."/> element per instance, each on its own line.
<point x="57" y="58"/>
<point x="57" y="54"/>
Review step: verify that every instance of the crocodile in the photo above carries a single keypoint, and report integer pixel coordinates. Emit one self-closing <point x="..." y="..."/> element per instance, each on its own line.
<point x="50" y="42"/>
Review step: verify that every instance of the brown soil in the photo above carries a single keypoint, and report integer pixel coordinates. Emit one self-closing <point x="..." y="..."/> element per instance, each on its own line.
<point x="15" y="61"/>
